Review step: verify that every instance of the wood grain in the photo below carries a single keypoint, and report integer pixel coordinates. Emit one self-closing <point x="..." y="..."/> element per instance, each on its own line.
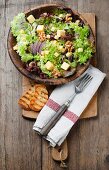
<point x="88" y="142"/>
<point x="17" y="150"/>
<point x="91" y="109"/>
<point x="91" y="145"/>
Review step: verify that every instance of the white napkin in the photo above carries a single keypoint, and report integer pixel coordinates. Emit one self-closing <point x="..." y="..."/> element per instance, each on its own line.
<point x="58" y="97"/>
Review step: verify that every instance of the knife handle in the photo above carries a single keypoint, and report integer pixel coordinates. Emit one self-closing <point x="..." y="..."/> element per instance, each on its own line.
<point x="54" y="120"/>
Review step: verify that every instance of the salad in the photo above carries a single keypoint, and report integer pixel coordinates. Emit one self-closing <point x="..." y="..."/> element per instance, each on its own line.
<point x="52" y="45"/>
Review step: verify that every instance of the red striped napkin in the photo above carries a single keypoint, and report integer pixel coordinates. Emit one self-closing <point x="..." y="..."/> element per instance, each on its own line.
<point x="58" y="97"/>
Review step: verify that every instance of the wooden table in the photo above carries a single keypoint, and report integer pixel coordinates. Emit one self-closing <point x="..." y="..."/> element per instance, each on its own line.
<point x="20" y="147"/>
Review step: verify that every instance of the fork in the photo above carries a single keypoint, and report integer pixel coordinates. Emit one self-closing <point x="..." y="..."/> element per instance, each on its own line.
<point x="79" y="87"/>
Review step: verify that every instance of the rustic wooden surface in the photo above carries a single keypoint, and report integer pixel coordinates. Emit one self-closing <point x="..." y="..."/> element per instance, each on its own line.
<point x="20" y="147"/>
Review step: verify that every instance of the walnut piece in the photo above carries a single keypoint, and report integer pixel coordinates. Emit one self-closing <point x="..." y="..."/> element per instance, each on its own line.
<point x="69" y="46"/>
<point x="68" y="18"/>
<point x="42" y="36"/>
<point x="56" y="73"/>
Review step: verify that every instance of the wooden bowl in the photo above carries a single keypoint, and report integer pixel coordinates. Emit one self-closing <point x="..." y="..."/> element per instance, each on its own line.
<point x="16" y="58"/>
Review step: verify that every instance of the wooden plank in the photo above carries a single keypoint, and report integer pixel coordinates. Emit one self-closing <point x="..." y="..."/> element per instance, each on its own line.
<point x="88" y="141"/>
<point x="91" y="110"/>
<point x="2" y="87"/>
<point x="18" y="143"/>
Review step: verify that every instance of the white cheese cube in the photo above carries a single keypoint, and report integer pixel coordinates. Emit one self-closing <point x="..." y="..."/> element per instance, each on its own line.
<point x="56" y="37"/>
<point x="65" y="66"/>
<point x="40" y="28"/>
<point x="48" y="36"/>
<point x="56" y="54"/>
<point x="49" y="66"/>
<point x="77" y="22"/>
<point x="80" y="50"/>
<point x="68" y="54"/>
<point x="61" y="48"/>
<point x="31" y="19"/>
<point x="60" y="33"/>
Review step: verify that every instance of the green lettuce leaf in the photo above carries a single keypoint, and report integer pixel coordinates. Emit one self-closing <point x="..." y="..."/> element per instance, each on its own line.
<point x="19" y="22"/>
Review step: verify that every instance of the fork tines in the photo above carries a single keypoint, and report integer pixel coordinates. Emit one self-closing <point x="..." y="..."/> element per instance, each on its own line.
<point x="84" y="80"/>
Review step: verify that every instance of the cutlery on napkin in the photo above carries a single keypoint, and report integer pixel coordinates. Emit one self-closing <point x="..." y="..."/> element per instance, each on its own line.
<point x="59" y="96"/>
<point x="79" y="87"/>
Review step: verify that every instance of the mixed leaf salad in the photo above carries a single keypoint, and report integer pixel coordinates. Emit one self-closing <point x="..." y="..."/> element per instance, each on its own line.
<point x="52" y="45"/>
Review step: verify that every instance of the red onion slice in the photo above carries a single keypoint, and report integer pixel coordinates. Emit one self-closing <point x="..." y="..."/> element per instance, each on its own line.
<point x="41" y="46"/>
<point x="34" y="48"/>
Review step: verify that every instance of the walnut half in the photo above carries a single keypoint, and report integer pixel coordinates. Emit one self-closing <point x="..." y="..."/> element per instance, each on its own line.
<point x="42" y="36"/>
<point x="69" y="46"/>
<point x="68" y="18"/>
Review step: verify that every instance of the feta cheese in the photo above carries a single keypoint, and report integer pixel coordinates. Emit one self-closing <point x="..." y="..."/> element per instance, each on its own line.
<point x="65" y="66"/>
<point x="77" y="22"/>
<point x="56" y="54"/>
<point x="49" y="66"/>
<point x="48" y="36"/>
<point x="56" y="37"/>
<point x="31" y="19"/>
<point x="80" y="50"/>
<point x="60" y="33"/>
<point x="68" y="54"/>
<point x="61" y="49"/>
<point x="40" y="28"/>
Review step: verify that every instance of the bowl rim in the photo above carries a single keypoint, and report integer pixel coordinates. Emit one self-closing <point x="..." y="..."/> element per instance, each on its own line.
<point x="50" y="81"/>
